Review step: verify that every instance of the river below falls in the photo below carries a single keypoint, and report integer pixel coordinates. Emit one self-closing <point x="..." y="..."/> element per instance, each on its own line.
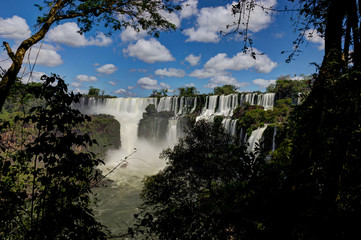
<point x="118" y="200"/>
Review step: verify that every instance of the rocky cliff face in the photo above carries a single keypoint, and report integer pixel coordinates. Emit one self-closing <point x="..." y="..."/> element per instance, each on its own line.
<point x="105" y="130"/>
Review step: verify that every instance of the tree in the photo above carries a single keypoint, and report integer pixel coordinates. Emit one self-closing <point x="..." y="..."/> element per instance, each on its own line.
<point x="225" y="89"/>
<point x="188" y="91"/>
<point x="137" y="14"/>
<point x="285" y="87"/>
<point x="44" y="177"/>
<point x="93" y="91"/>
<point x="211" y="189"/>
<point x="324" y="160"/>
<point x="160" y="93"/>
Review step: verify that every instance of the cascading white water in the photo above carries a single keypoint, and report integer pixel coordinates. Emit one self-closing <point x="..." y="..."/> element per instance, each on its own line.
<point x="172" y="132"/>
<point x="230" y="125"/>
<point x="255" y="137"/>
<point x="209" y="109"/>
<point x="119" y="201"/>
<point x="194" y="105"/>
<point x="274" y="138"/>
<point x="266" y="100"/>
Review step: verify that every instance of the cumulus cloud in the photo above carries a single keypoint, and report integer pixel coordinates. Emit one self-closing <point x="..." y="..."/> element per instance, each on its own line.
<point x="149" y="51"/>
<point x="164" y="85"/>
<point x="14" y="28"/>
<point x="32" y="77"/>
<point x="217" y="65"/>
<point x="213" y="20"/>
<point x="171" y="72"/>
<point x="189" y="85"/>
<point x="67" y="34"/>
<point x="43" y="54"/>
<point x="206" y="73"/>
<point x="120" y="91"/>
<point x="170" y="17"/>
<point x="217" y="81"/>
<point x="149" y="83"/>
<point x="112" y="83"/>
<point x="130" y="34"/>
<point x="262" y="82"/>
<point x="241" y="61"/>
<point x="193" y="60"/>
<point x="312" y="36"/>
<point x="107" y="69"/>
<point x="75" y="84"/>
<point x="189" y="8"/>
<point x="81" y="91"/>
<point x="86" y="78"/>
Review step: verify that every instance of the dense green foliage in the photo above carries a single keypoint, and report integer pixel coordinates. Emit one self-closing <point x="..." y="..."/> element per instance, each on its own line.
<point x="250" y="117"/>
<point x="173" y="206"/>
<point x="160" y="93"/>
<point x="225" y="90"/>
<point x="44" y="180"/>
<point x="153" y="125"/>
<point x="105" y="130"/>
<point x="93" y="91"/>
<point x="188" y="91"/>
<point x="285" y="87"/>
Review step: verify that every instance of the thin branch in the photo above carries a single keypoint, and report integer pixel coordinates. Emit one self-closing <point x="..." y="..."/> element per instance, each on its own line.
<point x="9" y="51"/>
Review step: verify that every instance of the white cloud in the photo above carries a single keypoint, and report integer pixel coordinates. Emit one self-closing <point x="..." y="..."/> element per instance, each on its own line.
<point x="86" y="78"/>
<point x="170" y="17"/>
<point x="120" y="91"/>
<point x="206" y="73"/>
<point x="189" y="85"/>
<point x="223" y="80"/>
<point x="312" y="36"/>
<point x="149" y="83"/>
<point x="81" y="91"/>
<point x="43" y="54"/>
<point x="213" y="20"/>
<point x="217" y="65"/>
<point x="34" y="77"/>
<point x="107" y="69"/>
<point x="171" y="72"/>
<point x="240" y="61"/>
<point x="129" y="34"/>
<point x="14" y="28"/>
<point x="149" y="51"/>
<point x="189" y="8"/>
<point x="262" y="82"/>
<point x="112" y="83"/>
<point x="131" y="87"/>
<point x="67" y="34"/>
<point x="164" y="85"/>
<point x="193" y="60"/>
<point x="298" y="78"/>
<point x="75" y="84"/>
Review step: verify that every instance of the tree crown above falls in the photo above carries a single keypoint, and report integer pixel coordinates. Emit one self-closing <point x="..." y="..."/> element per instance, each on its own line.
<point x="114" y="14"/>
<point x="225" y="89"/>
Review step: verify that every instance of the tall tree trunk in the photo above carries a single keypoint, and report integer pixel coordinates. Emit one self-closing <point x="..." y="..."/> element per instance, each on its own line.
<point x="17" y="58"/>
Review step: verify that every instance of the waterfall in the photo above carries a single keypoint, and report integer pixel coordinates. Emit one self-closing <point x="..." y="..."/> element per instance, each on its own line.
<point x="274" y="138"/>
<point x="230" y="125"/>
<point x="226" y="104"/>
<point x="266" y="100"/>
<point x="255" y="137"/>
<point x="209" y="109"/>
<point x="194" y="105"/>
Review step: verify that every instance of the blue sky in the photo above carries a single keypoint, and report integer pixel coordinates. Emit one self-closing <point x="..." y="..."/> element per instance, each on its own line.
<point x="133" y="64"/>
